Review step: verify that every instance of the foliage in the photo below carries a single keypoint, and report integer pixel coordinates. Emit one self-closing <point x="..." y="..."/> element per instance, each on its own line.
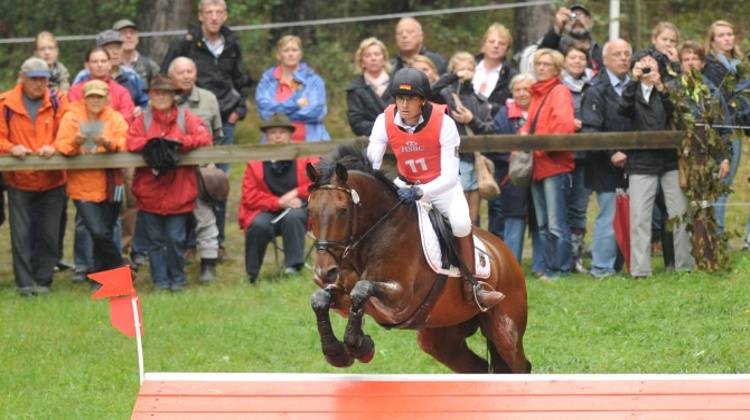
<point x="697" y="110"/>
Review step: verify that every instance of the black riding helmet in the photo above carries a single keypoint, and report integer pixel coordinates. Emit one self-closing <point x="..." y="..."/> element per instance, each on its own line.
<point x="409" y="81"/>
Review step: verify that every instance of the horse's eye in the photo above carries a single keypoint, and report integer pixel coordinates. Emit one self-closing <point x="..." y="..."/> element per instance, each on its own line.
<point x="343" y="211"/>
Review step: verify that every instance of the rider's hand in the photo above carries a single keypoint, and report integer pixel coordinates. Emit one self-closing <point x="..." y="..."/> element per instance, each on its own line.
<point x="410" y="194"/>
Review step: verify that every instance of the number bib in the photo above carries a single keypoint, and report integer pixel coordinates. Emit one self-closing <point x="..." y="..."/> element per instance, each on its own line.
<point x="418" y="154"/>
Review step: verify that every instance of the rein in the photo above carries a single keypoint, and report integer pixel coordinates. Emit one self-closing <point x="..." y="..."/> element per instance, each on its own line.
<point x="350" y="243"/>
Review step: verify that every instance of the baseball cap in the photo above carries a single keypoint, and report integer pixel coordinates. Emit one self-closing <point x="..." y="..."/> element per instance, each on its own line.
<point x="124" y="23"/>
<point x="581" y="7"/>
<point x="95" y="87"/>
<point x="35" y="67"/>
<point x="107" y="37"/>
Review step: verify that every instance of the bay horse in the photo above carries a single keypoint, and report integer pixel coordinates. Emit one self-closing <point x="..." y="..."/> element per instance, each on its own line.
<point x="370" y="260"/>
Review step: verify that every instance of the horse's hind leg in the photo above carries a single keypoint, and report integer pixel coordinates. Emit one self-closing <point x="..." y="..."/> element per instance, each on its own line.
<point x="358" y="344"/>
<point x="333" y="349"/>
<point x="448" y="346"/>
<point x="505" y="343"/>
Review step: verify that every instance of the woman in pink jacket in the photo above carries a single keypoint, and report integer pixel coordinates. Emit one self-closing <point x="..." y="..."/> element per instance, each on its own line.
<point x="165" y="200"/>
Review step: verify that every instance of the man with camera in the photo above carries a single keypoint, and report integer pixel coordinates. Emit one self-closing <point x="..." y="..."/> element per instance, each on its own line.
<point x="573" y="26"/>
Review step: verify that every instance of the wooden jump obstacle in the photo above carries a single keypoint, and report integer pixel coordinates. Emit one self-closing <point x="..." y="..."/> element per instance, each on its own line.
<point x="219" y="396"/>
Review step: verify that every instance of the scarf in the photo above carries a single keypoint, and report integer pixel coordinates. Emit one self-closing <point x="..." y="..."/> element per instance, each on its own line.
<point x="576" y="85"/>
<point x="730" y="65"/>
<point x="378" y="84"/>
<point x="278" y="167"/>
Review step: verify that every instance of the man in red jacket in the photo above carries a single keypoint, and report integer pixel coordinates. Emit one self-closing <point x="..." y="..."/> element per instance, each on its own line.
<point x="274" y="202"/>
<point x="29" y="119"/>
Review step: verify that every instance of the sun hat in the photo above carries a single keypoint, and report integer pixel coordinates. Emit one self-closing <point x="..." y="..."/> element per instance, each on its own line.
<point x="278" y="120"/>
<point x="95" y="87"/>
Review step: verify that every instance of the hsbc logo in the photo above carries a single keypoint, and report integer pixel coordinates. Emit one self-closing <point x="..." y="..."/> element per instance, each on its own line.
<point x="411" y="146"/>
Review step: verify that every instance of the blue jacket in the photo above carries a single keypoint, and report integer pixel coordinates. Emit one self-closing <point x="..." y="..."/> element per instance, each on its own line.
<point x="311" y="86"/>
<point x="129" y="79"/>
<point x="513" y="200"/>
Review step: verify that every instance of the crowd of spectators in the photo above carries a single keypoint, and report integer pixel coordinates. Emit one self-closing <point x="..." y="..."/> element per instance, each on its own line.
<point x="123" y="100"/>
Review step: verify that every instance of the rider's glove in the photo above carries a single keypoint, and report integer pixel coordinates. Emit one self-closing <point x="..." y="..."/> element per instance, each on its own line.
<point x="410" y="194"/>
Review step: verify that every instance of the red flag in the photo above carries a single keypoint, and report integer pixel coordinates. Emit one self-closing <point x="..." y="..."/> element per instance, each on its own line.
<point x="116" y="282"/>
<point x="121" y="312"/>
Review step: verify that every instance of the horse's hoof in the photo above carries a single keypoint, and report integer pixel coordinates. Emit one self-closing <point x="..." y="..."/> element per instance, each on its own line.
<point x="365" y="352"/>
<point x="339" y="360"/>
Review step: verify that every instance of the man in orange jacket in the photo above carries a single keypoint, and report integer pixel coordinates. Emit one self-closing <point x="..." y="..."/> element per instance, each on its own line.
<point x="29" y="118"/>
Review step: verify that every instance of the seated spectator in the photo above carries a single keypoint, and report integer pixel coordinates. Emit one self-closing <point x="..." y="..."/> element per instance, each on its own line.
<point x="274" y="203"/>
<point x="493" y="75"/>
<point x="294" y="89"/>
<point x="47" y="50"/>
<point x="96" y="193"/>
<point x="165" y="200"/>
<point x="31" y="117"/>
<point x="368" y="94"/>
<point x="472" y="116"/>
<point x="646" y="102"/>
<point x="131" y="58"/>
<point x="410" y="42"/>
<point x="203" y="235"/>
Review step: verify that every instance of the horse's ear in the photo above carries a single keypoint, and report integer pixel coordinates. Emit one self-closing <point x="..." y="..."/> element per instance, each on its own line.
<point x="341" y="173"/>
<point x="313" y="173"/>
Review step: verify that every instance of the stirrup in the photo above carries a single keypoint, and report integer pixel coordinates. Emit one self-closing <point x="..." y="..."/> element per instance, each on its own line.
<point x="480" y="286"/>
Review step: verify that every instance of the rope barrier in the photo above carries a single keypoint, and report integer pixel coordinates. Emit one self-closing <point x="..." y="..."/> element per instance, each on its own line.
<point x="316" y="22"/>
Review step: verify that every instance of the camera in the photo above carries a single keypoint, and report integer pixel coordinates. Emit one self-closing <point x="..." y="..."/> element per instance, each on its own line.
<point x="646" y="70"/>
<point x="572" y="16"/>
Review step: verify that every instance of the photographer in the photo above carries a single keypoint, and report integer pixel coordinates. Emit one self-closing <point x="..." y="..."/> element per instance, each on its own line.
<point x="646" y="102"/>
<point x="573" y="26"/>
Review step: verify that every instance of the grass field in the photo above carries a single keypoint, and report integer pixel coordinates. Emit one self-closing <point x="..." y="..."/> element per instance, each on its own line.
<point x="61" y="359"/>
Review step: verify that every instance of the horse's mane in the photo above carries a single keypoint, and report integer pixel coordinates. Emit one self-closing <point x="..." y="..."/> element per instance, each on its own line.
<point x="354" y="158"/>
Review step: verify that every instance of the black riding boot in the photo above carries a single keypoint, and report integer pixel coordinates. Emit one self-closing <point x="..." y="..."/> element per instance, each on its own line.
<point x="208" y="270"/>
<point x="486" y="298"/>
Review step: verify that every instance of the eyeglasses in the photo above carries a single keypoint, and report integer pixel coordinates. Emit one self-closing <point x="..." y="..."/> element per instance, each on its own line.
<point x="619" y="54"/>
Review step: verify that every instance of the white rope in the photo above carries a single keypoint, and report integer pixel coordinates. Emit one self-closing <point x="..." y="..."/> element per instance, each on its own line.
<point x="316" y="22"/>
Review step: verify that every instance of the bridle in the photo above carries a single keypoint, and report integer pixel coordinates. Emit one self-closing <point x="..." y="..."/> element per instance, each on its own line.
<point x="349" y="244"/>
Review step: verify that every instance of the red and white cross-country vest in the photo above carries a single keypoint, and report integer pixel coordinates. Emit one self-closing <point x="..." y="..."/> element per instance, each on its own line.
<point x="418" y="154"/>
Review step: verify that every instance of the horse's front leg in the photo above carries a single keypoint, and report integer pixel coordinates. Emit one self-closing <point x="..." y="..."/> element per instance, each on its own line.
<point x="359" y="345"/>
<point x="334" y="350"/>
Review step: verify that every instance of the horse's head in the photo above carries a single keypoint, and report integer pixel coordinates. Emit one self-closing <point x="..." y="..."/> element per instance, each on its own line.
<point x="332" y="209"/>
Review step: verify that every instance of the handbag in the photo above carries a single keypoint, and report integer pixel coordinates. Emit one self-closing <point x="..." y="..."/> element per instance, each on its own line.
<point x="485" y="170"/>
<point x="483" y="167"/>
<point x="521" y="165"/>
<point x="213" y="185"/>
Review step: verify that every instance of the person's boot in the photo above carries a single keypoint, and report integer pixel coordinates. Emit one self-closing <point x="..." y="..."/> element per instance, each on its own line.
<point x="577" y="244"/>
<point x="208" y="270"/>
<point x="486" y="298"/>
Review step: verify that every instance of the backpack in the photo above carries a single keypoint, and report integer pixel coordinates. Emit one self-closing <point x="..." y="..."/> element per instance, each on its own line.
<point x="8" y="113"/>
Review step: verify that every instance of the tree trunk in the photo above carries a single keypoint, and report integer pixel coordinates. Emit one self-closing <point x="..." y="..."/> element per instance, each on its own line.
<point x="295" y="11"/>
<point x="162" y="15"/>
<point x="531" y="23"/>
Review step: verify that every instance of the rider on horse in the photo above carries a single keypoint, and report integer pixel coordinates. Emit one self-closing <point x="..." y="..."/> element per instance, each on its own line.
<point x="425" y="142"/>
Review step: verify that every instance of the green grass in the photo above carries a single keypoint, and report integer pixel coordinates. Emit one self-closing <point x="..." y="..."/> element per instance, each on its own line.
<point x="61" y="359"/>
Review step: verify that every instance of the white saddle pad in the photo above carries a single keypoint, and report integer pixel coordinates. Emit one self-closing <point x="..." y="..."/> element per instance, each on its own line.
<point x="431" y="248"/>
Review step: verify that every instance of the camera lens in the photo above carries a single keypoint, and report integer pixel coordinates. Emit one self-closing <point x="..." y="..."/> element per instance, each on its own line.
<point x="646" y="70"/>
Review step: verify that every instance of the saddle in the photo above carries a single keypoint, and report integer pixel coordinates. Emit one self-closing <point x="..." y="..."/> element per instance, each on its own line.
<point x="440" y="248"/>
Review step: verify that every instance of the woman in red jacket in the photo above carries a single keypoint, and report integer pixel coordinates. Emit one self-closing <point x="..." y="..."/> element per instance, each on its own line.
<point x="165" y="200"/>
<point x="274" y="202"/>
<point x="551" y="112"/>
